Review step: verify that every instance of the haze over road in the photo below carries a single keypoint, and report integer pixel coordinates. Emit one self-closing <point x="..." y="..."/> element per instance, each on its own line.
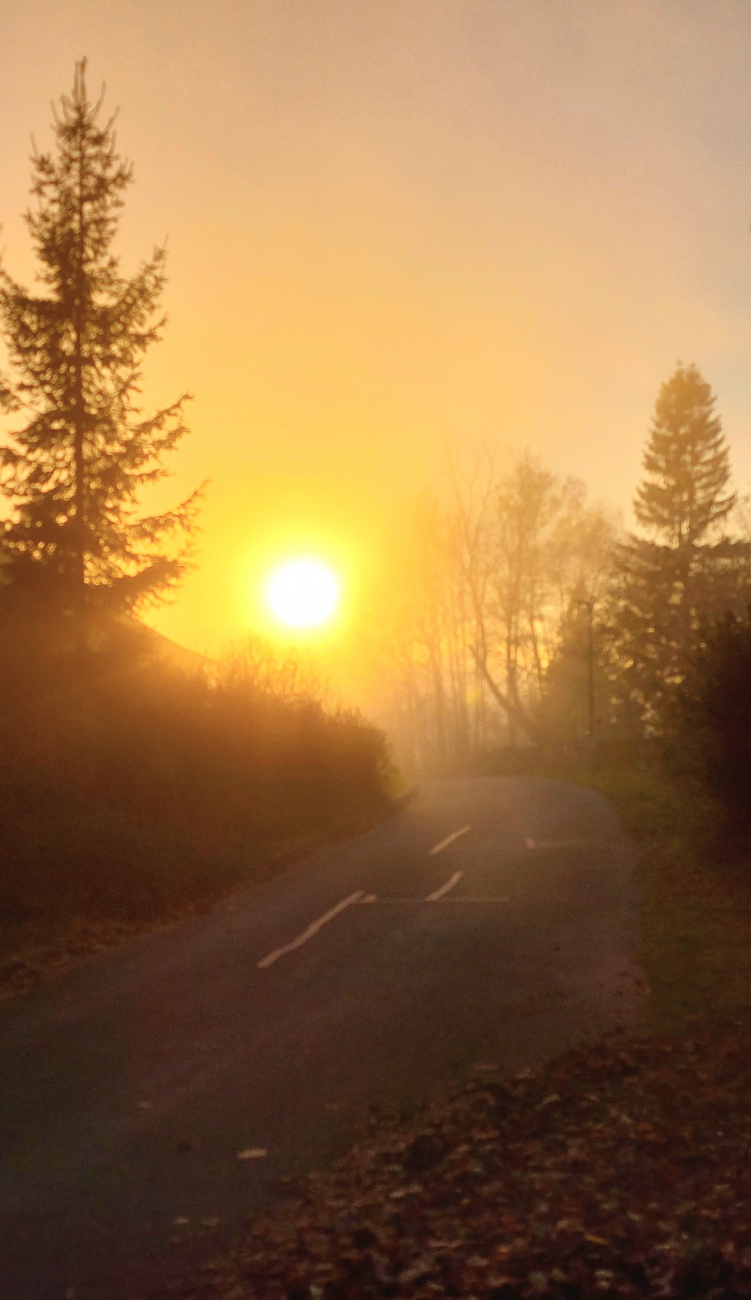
<point x="493" y="920"/>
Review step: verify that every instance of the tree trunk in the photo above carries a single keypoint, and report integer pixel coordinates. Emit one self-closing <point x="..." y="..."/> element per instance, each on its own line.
<point x="79" y="408"/>
<point x="513" y="707"/>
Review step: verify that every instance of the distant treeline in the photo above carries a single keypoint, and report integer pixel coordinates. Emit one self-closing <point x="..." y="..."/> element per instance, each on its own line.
<point x="516" y="613"/>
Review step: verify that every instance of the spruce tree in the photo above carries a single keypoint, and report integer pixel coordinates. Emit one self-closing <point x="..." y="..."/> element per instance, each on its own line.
<point x="686" y="492"/>
<point x="80" y="448"/>
<point x="686" y="566"/>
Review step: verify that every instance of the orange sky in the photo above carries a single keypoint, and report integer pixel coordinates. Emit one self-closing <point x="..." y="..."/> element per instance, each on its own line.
<point x="397" y="224"/>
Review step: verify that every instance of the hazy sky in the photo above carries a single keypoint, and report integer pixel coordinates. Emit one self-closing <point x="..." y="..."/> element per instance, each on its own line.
<point x="396" y="224"/>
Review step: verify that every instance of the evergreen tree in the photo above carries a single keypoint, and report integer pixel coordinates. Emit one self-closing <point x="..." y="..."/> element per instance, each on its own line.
<point x="686" y="566"/>
<point x="74" y="466"/>
<point x="685" y="493"/>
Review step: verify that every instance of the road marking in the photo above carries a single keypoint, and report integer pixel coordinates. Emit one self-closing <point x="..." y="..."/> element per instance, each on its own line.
<point x="406" y="900"/>
<point x="556" y="844"/>
<point x="438" y="893"/>
<point x="466" y="899"/>
<point x="312" y="930"/>
<point x="443" y="844"/>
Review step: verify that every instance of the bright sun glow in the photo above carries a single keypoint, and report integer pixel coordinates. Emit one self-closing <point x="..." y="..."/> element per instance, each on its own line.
<point x="303" y="593"/>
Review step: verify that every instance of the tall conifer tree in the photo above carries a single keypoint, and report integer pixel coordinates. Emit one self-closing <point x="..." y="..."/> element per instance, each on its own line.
<point x="82" y="448"/>
<point x="686" y="566"/>
<point x="686" y="492"/>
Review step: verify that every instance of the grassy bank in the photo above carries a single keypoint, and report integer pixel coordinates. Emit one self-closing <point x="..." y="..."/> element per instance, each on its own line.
<point x="695" y="936"/>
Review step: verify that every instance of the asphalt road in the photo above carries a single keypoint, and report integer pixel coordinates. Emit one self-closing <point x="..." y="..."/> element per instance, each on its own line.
<point x="493" y="920"/>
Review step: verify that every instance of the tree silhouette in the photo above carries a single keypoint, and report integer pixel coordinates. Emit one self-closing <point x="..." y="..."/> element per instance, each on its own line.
<point x="686" y="566"/>
<point x="709" y="735"/>
<point x="74" y="467"/>
<point x="685" y="492"/>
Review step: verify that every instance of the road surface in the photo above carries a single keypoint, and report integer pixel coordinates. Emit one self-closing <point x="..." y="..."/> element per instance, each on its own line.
<point x="493" y="920"/>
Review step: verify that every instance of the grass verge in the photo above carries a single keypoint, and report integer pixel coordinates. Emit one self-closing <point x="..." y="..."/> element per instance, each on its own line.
<point x="695" y="934"/>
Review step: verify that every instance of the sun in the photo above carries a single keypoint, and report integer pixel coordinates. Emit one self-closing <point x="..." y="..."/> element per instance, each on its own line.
<point x="303" y="593"/>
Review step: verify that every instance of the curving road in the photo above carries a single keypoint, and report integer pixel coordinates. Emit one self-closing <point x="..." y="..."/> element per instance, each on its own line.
<point x="492" y="920"/>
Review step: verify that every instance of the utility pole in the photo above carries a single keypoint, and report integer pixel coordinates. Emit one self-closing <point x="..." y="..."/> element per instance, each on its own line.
<point x="589" y="606"/>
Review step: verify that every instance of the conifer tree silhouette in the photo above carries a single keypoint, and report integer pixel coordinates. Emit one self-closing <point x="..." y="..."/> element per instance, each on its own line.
<point x="686" y="566"/>
<point x="686" y="488"/>
<point x="80" y="448"/>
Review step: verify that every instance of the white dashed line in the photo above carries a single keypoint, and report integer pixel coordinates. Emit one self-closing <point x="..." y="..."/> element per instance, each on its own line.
<point x="556" y="844"/>
<point x="465" y="898"/>
<point x="443" y="844"/>
<point x="312" y="930"/>
<point x="438" y="893"/>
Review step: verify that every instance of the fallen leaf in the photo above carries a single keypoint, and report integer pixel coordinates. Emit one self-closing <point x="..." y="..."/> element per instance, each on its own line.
<point x="504" y="1211"/>
<point x="252" y="1153"/>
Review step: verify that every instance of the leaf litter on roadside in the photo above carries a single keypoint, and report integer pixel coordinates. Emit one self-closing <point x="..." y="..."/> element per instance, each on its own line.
<point x="618" y="1170"/>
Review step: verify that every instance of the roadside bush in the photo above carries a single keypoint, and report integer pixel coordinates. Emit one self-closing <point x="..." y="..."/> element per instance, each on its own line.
<point x="128" y="786"/>
<point x="707" y="736"/>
